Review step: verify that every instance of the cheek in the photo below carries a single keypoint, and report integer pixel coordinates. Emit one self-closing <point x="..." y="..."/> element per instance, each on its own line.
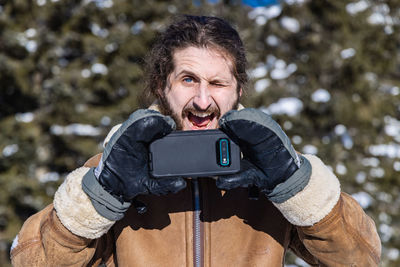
<point x="225" y="99"/>
<point x="178" y="98"/>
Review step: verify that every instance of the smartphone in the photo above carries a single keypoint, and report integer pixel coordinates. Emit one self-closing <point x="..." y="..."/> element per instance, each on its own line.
<point x="194" y="154"/>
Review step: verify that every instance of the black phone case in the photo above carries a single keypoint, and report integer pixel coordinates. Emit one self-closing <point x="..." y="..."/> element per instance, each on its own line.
<point x="194" y="154"/>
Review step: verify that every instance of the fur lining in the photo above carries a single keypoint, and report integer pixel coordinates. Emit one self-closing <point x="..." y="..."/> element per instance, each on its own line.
<point x="316" y="200"/>
<point x="110" y="134"/>
<point x="75" y="210"/>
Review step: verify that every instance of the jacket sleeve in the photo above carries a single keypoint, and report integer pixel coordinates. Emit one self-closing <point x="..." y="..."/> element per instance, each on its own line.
<point x="68" y="232"/>
<point x="330" y="227"/>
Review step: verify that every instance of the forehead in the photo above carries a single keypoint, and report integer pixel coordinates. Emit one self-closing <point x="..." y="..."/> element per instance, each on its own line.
<point x="206" y="61"/>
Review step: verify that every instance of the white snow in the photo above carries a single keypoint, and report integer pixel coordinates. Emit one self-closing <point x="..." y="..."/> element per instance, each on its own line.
<point x="100" y="3"/>
<point x="341" y="169"/>
<point x="49" y="177"/>
<point x="390" y="150"/>
<point x="137" y="27"/>
<point x="98" y="31"/>
<point x="294" y="2"/>
<point x="340" y="129"/>
<point x="386" y="232"/>
<point x="10" y="150"/>
<point x="99" y="68"/>
<point x="377" y="18"/>
<point x="393" y="254"/>
<point x="321" y="96"/>
<point x="41" y="2"/>
<point x="290" y="106"/>
<point x="86" y="73"/>
<point x="263" y="14"/>
<point x="370" y="162"/>
<point x="287" y="125"/>
<point x="259" y="72"/>
<point x="30" y="33"/>
<point x="396" y="166"/>
<point x="357" y="7"/>
<point x="25" y="117"/>
<point x="381" y="15"/>
<point x="377" y="172"/>
<point x="392" y="127"/>
<point x="272" y="40"/>
<point x="395" y="90"/>
<point x="31" y="46"/>
<point x="347" y="141"/>
<point x="296" y="139"/>
<point x="111" y="47"/>
<point x="361" y="177"/>
<point x="105" y="120"/>
<point x="310" y="149"/>
<point x="290" y="24"/>
<point x="363" y="198"/>
<point x="75" y="129"/>
<point x="282" y="71"/>
<point x="261" y="85"/>
<point x="347" y="53"/>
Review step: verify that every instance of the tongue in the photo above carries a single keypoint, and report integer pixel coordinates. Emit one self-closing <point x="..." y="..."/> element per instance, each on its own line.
<point x="199" y="121"/>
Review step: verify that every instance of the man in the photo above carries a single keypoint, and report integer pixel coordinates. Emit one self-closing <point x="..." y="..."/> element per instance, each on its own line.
<point x="111" y="211"/>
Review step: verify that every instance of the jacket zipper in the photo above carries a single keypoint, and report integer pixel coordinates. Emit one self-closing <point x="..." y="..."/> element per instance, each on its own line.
<point x="197" y="230"/>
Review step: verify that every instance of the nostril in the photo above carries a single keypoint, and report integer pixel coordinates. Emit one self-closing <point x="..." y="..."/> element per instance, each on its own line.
<point x="201" y="106"/>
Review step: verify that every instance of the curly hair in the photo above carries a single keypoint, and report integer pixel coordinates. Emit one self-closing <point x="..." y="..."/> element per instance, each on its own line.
<point x="197" y="31"/>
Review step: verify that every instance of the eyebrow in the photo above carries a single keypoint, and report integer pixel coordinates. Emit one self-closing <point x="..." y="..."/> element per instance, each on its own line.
<point x="190" y="73"/>
<point x="185" y="72"/>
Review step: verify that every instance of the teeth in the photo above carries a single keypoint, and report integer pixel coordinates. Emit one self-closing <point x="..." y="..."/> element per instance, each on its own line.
<point x="201" y="114"/>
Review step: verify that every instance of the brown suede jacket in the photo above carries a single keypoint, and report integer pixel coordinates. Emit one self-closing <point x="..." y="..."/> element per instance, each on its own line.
<point x="232" y="230"/>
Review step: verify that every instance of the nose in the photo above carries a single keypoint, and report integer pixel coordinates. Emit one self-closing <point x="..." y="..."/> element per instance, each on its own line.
<point x="203" y="100"/>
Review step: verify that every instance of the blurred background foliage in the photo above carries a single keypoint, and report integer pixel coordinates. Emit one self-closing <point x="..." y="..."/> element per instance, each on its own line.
<point x="327" y="71"/>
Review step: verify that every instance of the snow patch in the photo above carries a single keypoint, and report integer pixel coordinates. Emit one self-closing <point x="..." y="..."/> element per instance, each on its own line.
<point x="347" y="53"/>
<point x="363" y="198"/>
<point x="262" y="14"/>
<point x="261" y="85"/>
<point x="290" y="24"/>
<point x="75" y="129"/>
<point x="357" y="7"/>
<point x="290" y="106"/>
<point x="10" y="150"/>
<point x="25" y="117"/>
<point x="321" y="96"/>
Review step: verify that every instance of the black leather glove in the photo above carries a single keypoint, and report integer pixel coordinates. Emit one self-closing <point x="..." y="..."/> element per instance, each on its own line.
<point x="123" y="170"/>
<point x="269" y="160"/>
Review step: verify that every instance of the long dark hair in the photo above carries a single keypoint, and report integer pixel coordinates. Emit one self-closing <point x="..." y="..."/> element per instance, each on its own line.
<point x="197" y="31"/>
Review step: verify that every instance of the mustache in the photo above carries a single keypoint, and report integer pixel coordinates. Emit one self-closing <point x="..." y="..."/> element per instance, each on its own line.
<point x="212" y="109"/>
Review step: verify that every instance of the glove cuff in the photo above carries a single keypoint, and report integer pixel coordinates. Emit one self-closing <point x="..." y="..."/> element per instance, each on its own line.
<point x="316" y="200"/>
<point x="293" y="185"/>
<point x="75" y="211"/>
<point x="104" y="203"/>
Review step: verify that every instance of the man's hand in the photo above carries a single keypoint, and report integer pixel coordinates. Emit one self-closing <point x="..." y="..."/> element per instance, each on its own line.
<point x="270" y="161"/>
<point x="124" y="169"/>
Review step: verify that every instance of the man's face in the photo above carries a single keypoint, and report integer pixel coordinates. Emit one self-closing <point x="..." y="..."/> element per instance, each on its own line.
<point x="200" y="89"/>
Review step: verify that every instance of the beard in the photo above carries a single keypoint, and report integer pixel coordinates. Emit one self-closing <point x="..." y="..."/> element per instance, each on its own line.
<point x="166" y="109"/>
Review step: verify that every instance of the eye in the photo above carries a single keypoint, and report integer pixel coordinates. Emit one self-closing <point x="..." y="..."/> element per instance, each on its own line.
<point x="188" y="79"/>
<point x="217" y="84"/>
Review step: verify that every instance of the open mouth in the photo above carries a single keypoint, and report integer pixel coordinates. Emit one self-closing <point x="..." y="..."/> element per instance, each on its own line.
<point x="200" y="119"/>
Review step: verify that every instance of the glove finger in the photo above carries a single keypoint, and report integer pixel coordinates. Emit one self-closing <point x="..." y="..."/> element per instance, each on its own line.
<point x="147" y="125"/>
<point x="248" y="176"/>
<point x="256" y="131"/>
<point x="129" y="143"/>
<point x="165" y="186"/>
